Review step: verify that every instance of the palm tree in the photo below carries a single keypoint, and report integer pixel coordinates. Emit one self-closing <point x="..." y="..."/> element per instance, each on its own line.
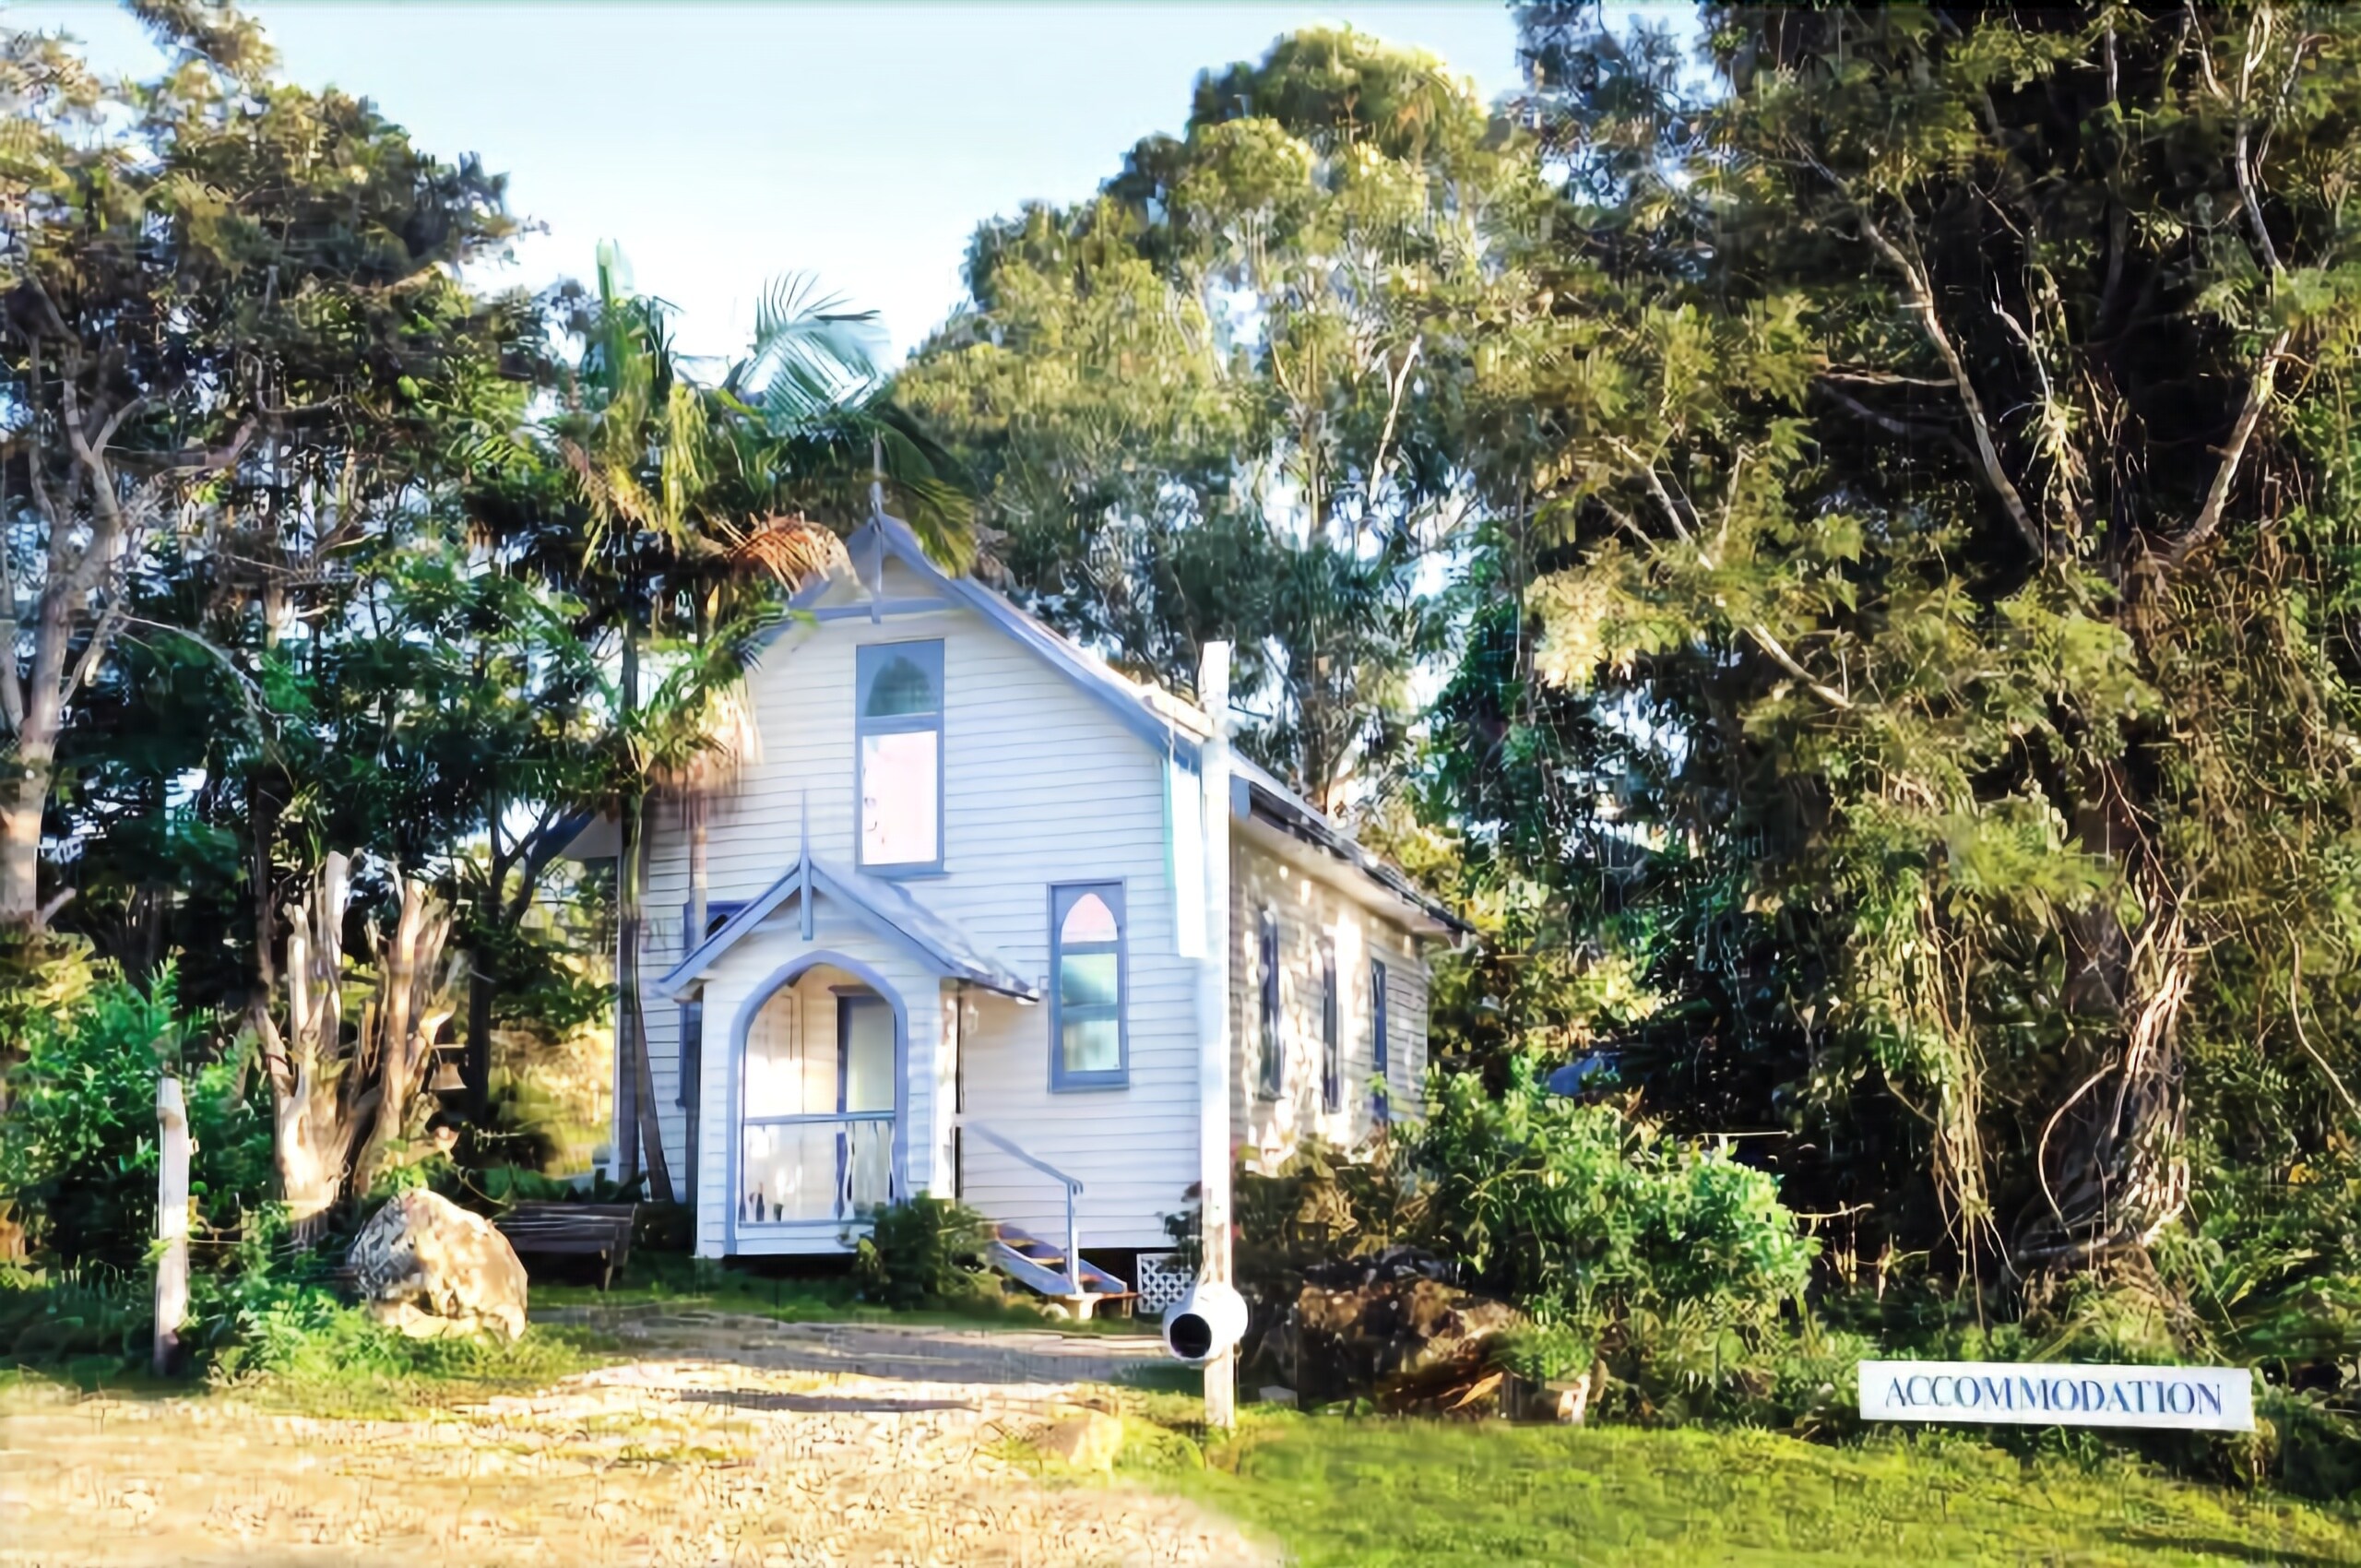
<point x="704" y="503"/>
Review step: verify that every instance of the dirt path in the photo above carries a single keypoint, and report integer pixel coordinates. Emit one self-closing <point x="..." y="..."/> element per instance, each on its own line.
<point x="731" y="1441"/>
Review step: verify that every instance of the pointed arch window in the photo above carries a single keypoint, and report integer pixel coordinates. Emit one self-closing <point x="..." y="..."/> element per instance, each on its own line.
<point x="1090" y="1045"/>
<point x="899" y="721"/>
<point x="1270" y="1075"/>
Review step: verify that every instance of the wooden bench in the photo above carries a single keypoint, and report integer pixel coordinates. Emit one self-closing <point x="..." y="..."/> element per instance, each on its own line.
<point x="551" y="1229"/>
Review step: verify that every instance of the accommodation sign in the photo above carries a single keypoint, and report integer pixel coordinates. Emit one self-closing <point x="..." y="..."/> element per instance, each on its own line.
<point x="2029" y="1394"/>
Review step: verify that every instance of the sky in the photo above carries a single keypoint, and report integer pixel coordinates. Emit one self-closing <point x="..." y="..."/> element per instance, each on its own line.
<point x="725" y="145"/>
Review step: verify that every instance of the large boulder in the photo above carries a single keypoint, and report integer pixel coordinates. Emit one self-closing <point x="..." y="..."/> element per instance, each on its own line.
<point x="1391" y="1326"/>
<point x="428" y="1267"/>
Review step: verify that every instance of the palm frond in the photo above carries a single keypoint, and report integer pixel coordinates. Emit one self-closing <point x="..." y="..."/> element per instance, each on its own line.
<point x="810" y="353"/>
<point x="790" y="550"/>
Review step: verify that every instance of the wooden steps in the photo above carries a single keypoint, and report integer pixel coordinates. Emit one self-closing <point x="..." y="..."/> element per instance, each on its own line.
<point x="1040" y="1266"/>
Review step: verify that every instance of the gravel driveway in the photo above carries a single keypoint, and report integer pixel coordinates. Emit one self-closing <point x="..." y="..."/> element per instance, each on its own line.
<point x="727" y="1441"/>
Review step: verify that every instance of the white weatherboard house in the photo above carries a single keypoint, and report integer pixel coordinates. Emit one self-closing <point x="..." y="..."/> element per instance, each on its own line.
<point x="957" y="935"/>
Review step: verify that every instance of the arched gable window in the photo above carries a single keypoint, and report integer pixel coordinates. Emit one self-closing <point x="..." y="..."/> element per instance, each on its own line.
<point x="899" y="721"/>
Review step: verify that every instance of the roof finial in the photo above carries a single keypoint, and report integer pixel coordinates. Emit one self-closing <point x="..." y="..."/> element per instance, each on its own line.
<point x="876" y="474"/>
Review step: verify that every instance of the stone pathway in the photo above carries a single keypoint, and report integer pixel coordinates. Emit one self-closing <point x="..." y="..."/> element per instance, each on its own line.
<point x="730" y="1442"/>
<point x="1013" y="1357"/>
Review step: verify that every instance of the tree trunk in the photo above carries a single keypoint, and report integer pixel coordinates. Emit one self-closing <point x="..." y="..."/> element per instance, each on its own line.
<point x="406" y="1022"/>
<point x="626" y="949"/>
<point x="475" y="1063"/>
<point x="22" y="807"/>
<point x="2109" y="1157"/>
<point x="2113" y="1174"/>
<point x="339" y="1111"/>
<point x="307" y="1135"/>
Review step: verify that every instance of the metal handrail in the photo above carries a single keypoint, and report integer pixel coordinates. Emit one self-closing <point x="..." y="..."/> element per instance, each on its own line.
<point x="1074" y="1190"/>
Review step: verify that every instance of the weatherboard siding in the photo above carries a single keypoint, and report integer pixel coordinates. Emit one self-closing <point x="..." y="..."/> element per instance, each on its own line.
<point x="1310" y="910"/>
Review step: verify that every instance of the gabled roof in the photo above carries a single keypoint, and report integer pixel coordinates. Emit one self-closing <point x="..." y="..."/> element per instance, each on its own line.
<point x="1162" y="719"/>
<point x="1169" y="723"/>
<point x="1258" y="796"/>
<point x="885" y="907"/>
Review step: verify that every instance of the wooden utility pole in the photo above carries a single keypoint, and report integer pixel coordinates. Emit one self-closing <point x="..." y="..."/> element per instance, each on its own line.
<point x="1212" y="1020"/>
<point x="171" y="1221"/>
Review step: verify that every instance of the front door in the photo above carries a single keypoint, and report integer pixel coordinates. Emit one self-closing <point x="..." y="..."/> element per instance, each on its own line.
<point x="865" y="1087"/>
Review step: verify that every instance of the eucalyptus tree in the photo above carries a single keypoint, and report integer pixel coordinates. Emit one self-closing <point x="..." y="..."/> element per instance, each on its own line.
<point x="1948" y="515"/>
<point x="231" y="309"/>
<point x="1217" y="401"/>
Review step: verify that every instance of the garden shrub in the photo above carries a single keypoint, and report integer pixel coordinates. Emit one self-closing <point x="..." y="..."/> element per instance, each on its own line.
<point x="65" y="1315"/>
<point x="925" y="1251"/>
<point x="1672" y="1265"/>
<point x="1588" y="1220"/>
<point x="78" y="1145"/>
<point x="1318" y="1205"/>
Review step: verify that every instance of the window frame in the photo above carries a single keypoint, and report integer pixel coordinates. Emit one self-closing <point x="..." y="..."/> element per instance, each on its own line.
<point x="1271" y="1065"/>
<point x="1064" y="897"/>
<point x="1331" y="1029"/>
<point x="1380" y="1047"/>
<point x="869" y="661"/>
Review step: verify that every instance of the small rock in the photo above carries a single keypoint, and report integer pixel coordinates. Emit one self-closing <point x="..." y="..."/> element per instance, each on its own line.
<point x="1273" y="1393"/>
<point x="1571" y="1400"/>
<point x="1087" y="1441"/>
<point x="426" y="1267"/>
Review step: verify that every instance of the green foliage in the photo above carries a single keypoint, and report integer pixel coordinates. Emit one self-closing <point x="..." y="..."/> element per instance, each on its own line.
<point x="1583" y="1218"/>
<point x="78" y="1145"/>
<point x="1668" y="1264"/>
<point x="924" y="1252"/>
<point x="89" y="1316"/>
<point x="42" y="976"/>
<point x="303" y="1347"/>
<point x="1908" y="630"/>
<point x="196" y="258"/>
<point x="1211" y="402"/>
<point x="2269" y="1270"/>
<point x="1319" y="1204"/>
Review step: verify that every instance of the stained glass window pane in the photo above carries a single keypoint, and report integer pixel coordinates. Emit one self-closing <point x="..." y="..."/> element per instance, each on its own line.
<point x="1089" y="920"/>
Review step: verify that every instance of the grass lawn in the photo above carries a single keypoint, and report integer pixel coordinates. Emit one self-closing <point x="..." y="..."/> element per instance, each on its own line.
<point x="1368" y="1493"/>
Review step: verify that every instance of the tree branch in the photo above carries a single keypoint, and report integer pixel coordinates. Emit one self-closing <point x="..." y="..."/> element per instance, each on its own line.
<point x="1655" y="485"/>
<point x="1887" y="421"/>
<point x="1922" y="300"/>
<point x="101" y="636"/>
<point x="2218" y="495"/>
<point x="1786" y="661"/>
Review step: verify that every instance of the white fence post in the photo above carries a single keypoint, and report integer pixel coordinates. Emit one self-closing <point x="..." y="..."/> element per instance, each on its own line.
<point x="171" y="1221"/>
